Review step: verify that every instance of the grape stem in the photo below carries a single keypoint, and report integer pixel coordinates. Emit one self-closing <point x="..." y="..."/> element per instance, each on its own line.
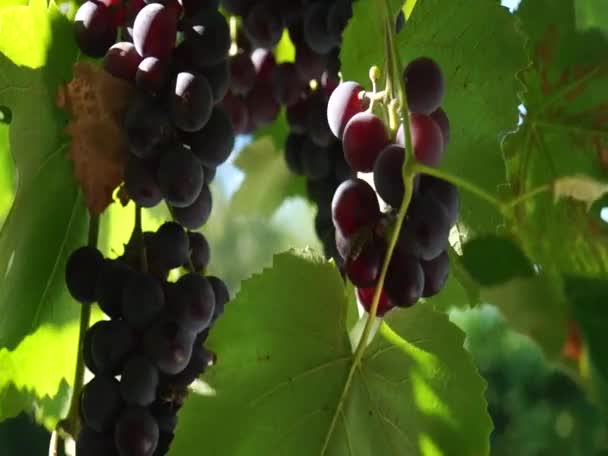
<point x="71" y="424"/>
<point x="394" y="81"/>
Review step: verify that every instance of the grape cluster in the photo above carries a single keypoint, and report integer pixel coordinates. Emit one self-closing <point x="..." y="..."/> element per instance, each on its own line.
<point x="152" y="348"/>
<point x="419" y="266"/>
<point x="260" y="87"/>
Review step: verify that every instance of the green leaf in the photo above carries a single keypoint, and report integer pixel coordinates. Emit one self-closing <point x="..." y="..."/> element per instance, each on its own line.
<point x="47" y="219"/>
<point x="268" y="181"/>
<point x="589" y="302"/>
<point x="416" y="391"/>
<point x="492" y="260"/>
<point x="564" y="133"/>
<point x="7" y="181"/>
<point x="591" y="14"/>
<point x="480" y="50"/>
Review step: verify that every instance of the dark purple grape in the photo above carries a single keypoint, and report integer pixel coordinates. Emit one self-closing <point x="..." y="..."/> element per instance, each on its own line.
<point x="199" y="251"/>
<point x="388" y="179"/>
<point x="199" y="361"/>
<point x="287" y="86"/>
<point x="87" y="350"/>
<point x="218" y="77"/>
<point x="213" y="143"/>
<point x="141" y="184"/>
<point x="365" y="136"/>
<point x="170" y="245"/>
<point x="92" y="443"/>
<point x="297" y="116"/>
<point x="111" y="344"/>
<point x="95" y="28"/>
<point x="264" y="65"/>
<point x="363" y="267"/>
<point x="366" y="297"/>
<point x="148" y="127"/>
<point x="143" y="300"/>
<point x="339" y="14"/>
<point x="442" y="121"/>
<point x="136" y="432"/>
<point x="316" y="121"/>
<point x="192" y="302"/>
<point x="404" y="280"/>
<point x="190" y="101"/>
<point x="209" y="174"/>
<point x="316" y="33"/>
<point x="112" y="279"/>
<point x="424" y="85"/>
<point x="242" y="73"/>
<point x="180" y="176"/>
<point x="343" y="104"/>
<point x="444" y="192"/>
<point x="236" y="109"/>
<point x="197" y="214"/>
<point x="262" y="107"/>
<point x="154" y="31"/>
<point x="122" y="60"/>
<point x="309" y="64"/>
<point x="168" y="345"/>
<point x="151" y="74"/>
<point x="427" y="139"/>
<point x="100" y="403"/>
<point x="294" y="147"/>
<point x="221" y="294"/>
<point x="354" y="206"/>
<point x="264" y="25"/>
<point x="139" y="381"/>
<point x="207" y="35"/>
<point x="165" y="415"/>
<point x="426" y="229"/>
<point x="82" y="272"/>
<point x="316" y="162"/>
<point x="435" y="274"/>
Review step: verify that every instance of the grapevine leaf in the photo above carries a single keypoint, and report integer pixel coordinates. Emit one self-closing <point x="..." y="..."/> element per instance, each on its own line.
<point x="564" y="133"/>
<point x="48" y="217"/>
<point x="492" y="260"/>
<point x="591" y="14"/>
<point x="480" y="53"/>
<point x="268" y="181"/>
<point x="416" y="391"/>
<point x="7" y="185"/>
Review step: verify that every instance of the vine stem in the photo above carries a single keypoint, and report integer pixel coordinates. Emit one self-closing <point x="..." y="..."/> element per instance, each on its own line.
<point x="408" y="172"/>
<point x="71" y="424"/>
<point x="527" y="196"/>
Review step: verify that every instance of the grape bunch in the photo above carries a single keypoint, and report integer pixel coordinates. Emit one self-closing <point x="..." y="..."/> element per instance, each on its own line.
<point x="151" y="349"/>
<point x="419" y="266"/>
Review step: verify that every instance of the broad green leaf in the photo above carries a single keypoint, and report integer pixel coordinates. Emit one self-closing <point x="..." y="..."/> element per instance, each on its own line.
<point x="47" y="219"/>
<point x="492" y="260"/>
<point x="564" y="133"/>
<point x="7" y="184"/>
<point x="268" y="181"/>
<point x="283" y="360"/>
<point x="591" y="14"/>
<point x="480" y="50"/>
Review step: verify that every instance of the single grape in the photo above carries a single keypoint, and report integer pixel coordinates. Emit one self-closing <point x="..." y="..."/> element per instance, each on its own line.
<point x="236" y="109"/>
<point x="366" y="298"/>
<point x="199" y="362"/>
<point x="309" y="64"/>
<point x="435" y="274"/>
<point x="221" y="294"/>
<point x="190" y="101"/>
<point x="264" y="25"/>
<point x="95" y="28"/>
<point x="316" y="33"/>
<point x="387" y="175"/>
<point x="343" y="104"/>
<point x="424" y="85"/>
<point x="242" y="73"/>
<point x="404" y="280"/>
<point x="197" y="214"/>
<point x="122" y="60"/>
<point x="92" y="443"/>
<point x="426" y="229"/>
<point x="82" y="272"/>
<point x="444" y="192"/>
<point x="364" y="138"/>
<point x="199" y="251"/>
<point x="180" y="176"/>
<point x="141" y="184"/>
<point x="136" y="432"/>
<point x="293" y="153"/>
<point x="316" y="122"/>
<point x="213" y="143"/>
<point x="354" y="206"/>
<point x="148" y="127"/>
<point x="339" y="14"/>
<point x="111" y="344"/>
<point x="321" y="192"/>
<point x="263" y="108"/>
<point x="427" y="139"/>
<point x="208" y="36"/>
<point x="151" y="74"/>
<point x="218" y="77"/>
<point x="363" y="267"/>
<point x="264" y="65"/>
<point x="170" y="245"/>
<point x="154" y="31"/>
<point x="142" y="300"/>
<point x="87" y="350"/>
<point x="192" y="302"/>
<point x="100" y="403"/>
<point x="441" y="119"/>
<point x="112" y="279"/>
<point x="168" y="345"/>
<point x="139" y="381"/>
<point x="297" y="116"/>
<point x="316" y="162"/>
<point x="287" y="86"/>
